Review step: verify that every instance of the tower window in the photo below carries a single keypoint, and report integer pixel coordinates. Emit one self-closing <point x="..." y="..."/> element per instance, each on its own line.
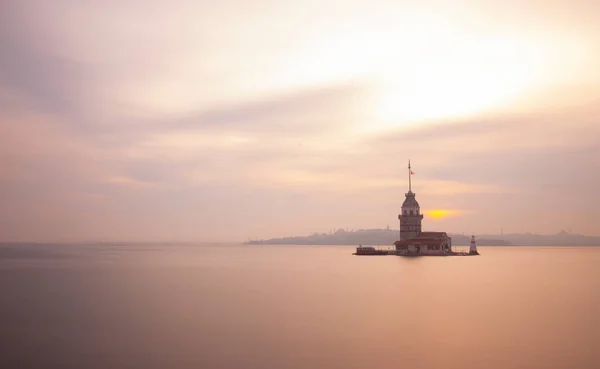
<point x="411" y="212"/>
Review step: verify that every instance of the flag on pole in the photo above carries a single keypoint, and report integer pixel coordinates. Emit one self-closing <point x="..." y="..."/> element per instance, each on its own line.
<point x="412" y="173"/>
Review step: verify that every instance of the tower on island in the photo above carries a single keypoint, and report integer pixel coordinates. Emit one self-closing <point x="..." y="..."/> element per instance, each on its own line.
<point x="413" y="241"/>
<point x="410" y="216"/>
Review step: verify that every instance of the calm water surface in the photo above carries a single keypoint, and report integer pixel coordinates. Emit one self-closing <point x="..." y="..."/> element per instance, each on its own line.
<point x="292" y="307"/>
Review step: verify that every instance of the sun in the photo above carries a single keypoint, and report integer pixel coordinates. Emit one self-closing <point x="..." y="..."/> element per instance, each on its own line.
<point x="457" y="78"/>
<point x="443" y="213"/>
<point x="447" y="91"/>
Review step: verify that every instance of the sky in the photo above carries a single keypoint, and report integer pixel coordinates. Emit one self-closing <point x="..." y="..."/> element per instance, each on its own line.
<point x="181" y="120"/>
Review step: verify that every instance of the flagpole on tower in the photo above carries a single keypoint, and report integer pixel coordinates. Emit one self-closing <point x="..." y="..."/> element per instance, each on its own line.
<point x="409" y="179"/>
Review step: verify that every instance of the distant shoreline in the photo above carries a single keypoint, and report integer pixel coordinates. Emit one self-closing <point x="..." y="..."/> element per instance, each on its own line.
<point x="386" y="237"/>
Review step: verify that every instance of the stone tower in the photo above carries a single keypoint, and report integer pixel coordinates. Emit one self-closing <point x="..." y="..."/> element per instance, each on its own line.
<point x="410" y="217"/>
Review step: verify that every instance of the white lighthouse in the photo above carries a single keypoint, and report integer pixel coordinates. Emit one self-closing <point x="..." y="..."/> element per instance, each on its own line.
<point x="473" y="248"/>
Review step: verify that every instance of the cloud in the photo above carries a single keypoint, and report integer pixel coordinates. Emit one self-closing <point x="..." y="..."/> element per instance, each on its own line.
<point x="129" y="183"/>
<point x="299" y="109"/>
<point x="235" y="143"/>
<point x="123" y="120"/>
<point x="50" y="82"/>
<point x="498" y="147"/>
<point x="49" y="163"/>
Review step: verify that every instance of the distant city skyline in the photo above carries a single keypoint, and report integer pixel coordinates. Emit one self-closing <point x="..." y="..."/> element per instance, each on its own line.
<point x="387" y="237"/>
<point x="220" y="121"/>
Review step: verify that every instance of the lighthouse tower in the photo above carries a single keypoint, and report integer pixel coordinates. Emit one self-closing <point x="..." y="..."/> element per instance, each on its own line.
<point x="473" y="248"/>
<point x="410" y="217"/>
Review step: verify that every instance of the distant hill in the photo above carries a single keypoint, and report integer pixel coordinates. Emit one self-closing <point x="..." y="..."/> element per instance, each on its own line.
<point x="340" y="237"/>
<point x="558" y="239"/>
<point x="364" y="237"/>
<point x="388" y="236"/>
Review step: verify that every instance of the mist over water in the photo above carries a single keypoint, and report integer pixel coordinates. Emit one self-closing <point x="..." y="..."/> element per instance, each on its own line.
<point x="232" y="306"/>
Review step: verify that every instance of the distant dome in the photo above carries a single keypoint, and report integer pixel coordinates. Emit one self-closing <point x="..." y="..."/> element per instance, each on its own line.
<point x="410" y="201"/>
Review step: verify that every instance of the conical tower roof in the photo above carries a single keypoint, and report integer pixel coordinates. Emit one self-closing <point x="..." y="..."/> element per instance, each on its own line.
<point x="410" y="201"/>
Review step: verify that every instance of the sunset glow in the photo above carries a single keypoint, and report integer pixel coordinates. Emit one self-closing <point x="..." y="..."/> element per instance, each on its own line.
<point x="303" y="184"/>
<point x="442" y="213"/>
<point x="245" y="119"/>
<point x="468" y="81"/>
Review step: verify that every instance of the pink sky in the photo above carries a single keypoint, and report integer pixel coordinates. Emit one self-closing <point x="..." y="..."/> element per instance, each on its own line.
<point x="218" y="120"/>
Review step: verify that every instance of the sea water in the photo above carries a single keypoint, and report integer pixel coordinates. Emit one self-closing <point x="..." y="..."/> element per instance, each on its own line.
<point x="273" y="307"/>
